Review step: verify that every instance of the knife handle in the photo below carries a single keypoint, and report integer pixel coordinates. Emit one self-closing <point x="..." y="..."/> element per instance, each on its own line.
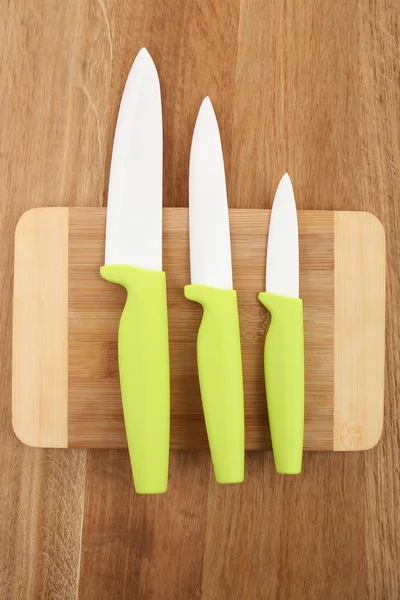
<point x="284" y="379"/>
<point x="220" y="374"/>
<point x="143" y="359"/>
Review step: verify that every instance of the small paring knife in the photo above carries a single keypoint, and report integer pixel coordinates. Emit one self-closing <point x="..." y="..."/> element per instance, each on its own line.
<point x="133" y="259"/>
<point x="218" y="343"/>
<point x="284" y="344"/>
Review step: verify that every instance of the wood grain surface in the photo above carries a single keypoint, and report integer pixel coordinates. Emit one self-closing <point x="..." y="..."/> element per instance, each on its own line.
<point x="305" y="86"/>
<point x="60" y="296"/>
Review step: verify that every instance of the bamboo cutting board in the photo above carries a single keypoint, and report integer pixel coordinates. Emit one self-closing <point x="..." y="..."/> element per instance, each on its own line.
<point x="65" y="323"/>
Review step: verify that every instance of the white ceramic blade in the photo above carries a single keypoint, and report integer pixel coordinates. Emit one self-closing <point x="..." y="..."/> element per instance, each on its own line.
<point x="134" y="213"/>
<point x="283" y="243"/>
<point x="210" y="245"/>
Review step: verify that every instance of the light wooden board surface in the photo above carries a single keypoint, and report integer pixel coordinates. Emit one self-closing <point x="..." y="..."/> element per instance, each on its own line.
<point x="66" y="321"/>
<point x="40" y="329"/>
<point x="359" y="350"/>
<point x="305" y="86"/>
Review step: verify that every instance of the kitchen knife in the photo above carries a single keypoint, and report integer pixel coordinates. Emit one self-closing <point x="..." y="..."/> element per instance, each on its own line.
<point x="284" y="345"/>
<point x="133" y="259"/>
<point x="218" y="343"/>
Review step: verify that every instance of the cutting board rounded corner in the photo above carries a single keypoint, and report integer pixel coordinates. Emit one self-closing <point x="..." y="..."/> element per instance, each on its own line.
<point x="375" y="224"/>
<point x="29" y="216"/>
<point x="374" y="440"/>
<point x="349" y="440"/>
<point x="23" y="222"/>
<point x="25" y="436"/>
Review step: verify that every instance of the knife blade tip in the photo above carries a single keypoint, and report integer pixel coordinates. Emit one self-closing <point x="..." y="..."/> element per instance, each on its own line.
<point x="285" y="189"/>
<point x="207" y="107"/>
<point x="144" y="53"/>
<point x="285" y="180"/>
<point x="206" y="101"/>
<point x="144" y="60"/>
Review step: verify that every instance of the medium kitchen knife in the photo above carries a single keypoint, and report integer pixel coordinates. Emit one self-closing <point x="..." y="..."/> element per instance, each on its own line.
<point x="218" y="343"/>
<point x="284" y="345"/>
<point x="133" y="259"/>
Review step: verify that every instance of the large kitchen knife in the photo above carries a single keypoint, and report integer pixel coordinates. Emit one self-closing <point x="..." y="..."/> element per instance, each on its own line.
<point x="218" y="343"/>
<point x="133" y="259"/>
<point x="284" y="345"/>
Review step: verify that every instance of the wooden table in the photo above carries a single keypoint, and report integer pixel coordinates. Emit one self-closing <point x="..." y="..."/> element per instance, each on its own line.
<point x="305" y="86"/>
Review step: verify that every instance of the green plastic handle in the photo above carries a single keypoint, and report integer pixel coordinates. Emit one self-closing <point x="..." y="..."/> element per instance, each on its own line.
<point x="144" y="373"/>
<point x="284" y="380"/>
<point x="219" y="363"/>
